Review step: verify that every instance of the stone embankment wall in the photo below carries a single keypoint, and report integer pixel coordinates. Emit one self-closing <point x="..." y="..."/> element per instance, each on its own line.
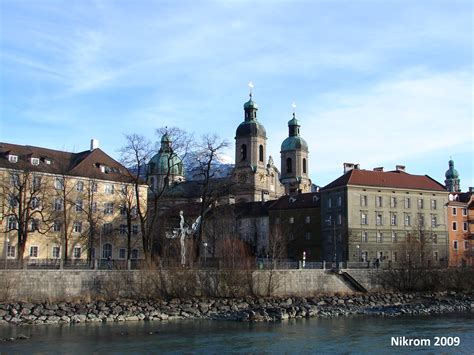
<point x="55" y="285"/>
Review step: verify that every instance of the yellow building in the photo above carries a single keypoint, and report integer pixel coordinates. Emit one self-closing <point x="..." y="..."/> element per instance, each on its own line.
<point x="61" y="205"/>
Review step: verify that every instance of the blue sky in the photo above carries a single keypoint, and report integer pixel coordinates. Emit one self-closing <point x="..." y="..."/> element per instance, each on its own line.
<point x="378" y="83"/>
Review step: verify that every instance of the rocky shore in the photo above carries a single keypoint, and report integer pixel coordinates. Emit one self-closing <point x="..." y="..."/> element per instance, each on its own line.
<point x="237" y="309"/>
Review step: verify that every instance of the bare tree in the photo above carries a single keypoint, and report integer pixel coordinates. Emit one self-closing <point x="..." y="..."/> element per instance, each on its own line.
<point x="27" y="209"/>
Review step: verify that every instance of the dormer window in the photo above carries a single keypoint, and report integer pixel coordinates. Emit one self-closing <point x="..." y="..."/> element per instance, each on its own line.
<point x="35" y="161"/>
<point x="47" y="160"/>
<point x="13" y="158"/>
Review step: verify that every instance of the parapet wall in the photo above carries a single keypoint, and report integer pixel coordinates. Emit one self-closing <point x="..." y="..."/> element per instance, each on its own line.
<point x="67" y="285"/>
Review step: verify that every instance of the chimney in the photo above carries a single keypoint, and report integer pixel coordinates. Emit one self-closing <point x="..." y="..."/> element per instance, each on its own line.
<point x="471" y="189"/>
<point x="94" y="144"/>
<point x="380" y="168"/>
<point x="350" y="166"/>
<point x="400" y="168"/>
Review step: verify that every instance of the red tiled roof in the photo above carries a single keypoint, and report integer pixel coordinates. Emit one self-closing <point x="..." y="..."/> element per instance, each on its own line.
<point x="85" y="164"/>
<point x="394" y="179"/>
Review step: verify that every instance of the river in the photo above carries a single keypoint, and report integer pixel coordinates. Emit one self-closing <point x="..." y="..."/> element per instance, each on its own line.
<point x="357" y="334"/>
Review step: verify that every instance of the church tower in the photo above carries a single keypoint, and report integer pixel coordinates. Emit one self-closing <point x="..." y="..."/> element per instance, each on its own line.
<point x="256" y="180"/>
<point x="294" y="160"/>
<point x="452" y="182"/>
<point x="165" y="168"/>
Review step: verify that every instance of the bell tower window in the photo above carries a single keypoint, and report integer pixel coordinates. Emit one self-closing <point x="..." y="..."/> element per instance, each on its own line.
<point x="304" y="166"/>
<point x="288" y="165"/>
<point x="260" y="153"/>
<point x="243" y="152"/>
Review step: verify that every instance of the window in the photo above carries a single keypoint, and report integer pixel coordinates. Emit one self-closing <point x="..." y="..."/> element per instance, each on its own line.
<point x="289" y="168"/>
<point x="393" y="202"/>
<point x="363" y="218"/>
<point x="378" y="201"/>
<point x="109" y="189"/>
<point x="421" y="219"/>
<point x="434" y="221"/>
<point x="394" y="237"/>
<point x="11" y="251"/>
<point x="339" y="201"/>
<point x="36" y="182"/>
<point x="393" y="219"/>
<point x="464" y="211"/>
<point x="35" y="161"/>
<point x="107" y="251"/>
<point x="78" y="205"/>
<point x="435" y="256"/>
<point x="433" y="204"/>
<point x="12" y="158"/>
<point x="466" y="245"/>
<point x="435" y="238"/>
<point x="34" y="250"/>
<point x="13" y="201"/>
<point x="378" y="219"/>
<point x="107" y="228"/>
<point x="58" y="204"/>
<point x="304" y="166"/>
<point x="379" y="237"/>
<point x="94" y="187"/>
<point x="308" y="235"/>
<point x="365" y="237"/>
<point x="123" y="229"/>
<point x="339" y="237"/>
<point x="307" y="219"/>
<point x="407" y="219"/>
<point x="328" y="220"/>
<point x="455" y="244"/>
<point x="94" y="207"/>
<point x="35" y="203"/>
<point x="455" y="226"/>
<point x="420" y="203"/>
<point x="464" y="226"/>
<point x="339" y="219"/>
<point x="364" y="256"/>
<point x="59" y="183"/>
<point x="363" y="201"/>
<point x="57" y="226"/>
<point x="15" y="180"/>
<point x="12" y="223"/>
<point x="108" y="208"/>
<point x="455" y="211"/>
<point x="122" y="253"/>
<point x="77" y="227"/>
<point x="123" y="211"/>
<point x="407" y="202"/>
<point x="77" y="252"/>
<point x="80" y="186"/>
<point x="329" y="202"/>
<point x="291" y="220"/>
<point x="33" y="225"/>
<point x="135" y="229"/>
<point x="260" y="153"/>
<point x="56" y="252"/>
<point x="394" y="256"/>
<point x="134" y="254"/>
<point x="243" y="152"/>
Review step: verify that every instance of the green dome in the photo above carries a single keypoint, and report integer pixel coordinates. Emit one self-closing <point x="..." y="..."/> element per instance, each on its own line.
<point x="293" y="122"/>
<point x="165" y="138"/>
<point x="163" y="162"/>
<point x="251" y="128"/>
<point x="251" y="104"/>
<point x="451" y="173"/>
<point x="294" y="143"/>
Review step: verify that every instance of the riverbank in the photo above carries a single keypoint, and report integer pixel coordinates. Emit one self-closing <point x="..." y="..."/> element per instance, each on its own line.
<point x="237" y="309"/>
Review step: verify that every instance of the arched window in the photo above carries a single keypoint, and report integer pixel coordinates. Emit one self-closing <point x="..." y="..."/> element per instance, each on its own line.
<point x="304" y="166"/>
<point x="243" y="152"/>
<point x="260" y="153"/>
<point x="107" y="251"/>
<point x="288" y="165"/>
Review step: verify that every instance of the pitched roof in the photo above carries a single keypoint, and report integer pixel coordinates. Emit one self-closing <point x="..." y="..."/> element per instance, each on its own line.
<point x="306" y="200"/>
<point x="85" y="164"/>
<point x="393" y="179"/>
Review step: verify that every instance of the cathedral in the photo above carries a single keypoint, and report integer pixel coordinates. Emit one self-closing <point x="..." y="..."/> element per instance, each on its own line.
<point x="255" y="177"/>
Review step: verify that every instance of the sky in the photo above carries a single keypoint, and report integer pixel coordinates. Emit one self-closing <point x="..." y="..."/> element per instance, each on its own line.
<point x="378" y="83"/>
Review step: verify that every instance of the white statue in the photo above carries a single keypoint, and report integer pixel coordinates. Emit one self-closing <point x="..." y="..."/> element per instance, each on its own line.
<point x="182" y="232"/>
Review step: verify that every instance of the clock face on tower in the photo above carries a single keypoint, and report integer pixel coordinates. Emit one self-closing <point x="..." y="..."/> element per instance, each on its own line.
<point x="262" y="177"/>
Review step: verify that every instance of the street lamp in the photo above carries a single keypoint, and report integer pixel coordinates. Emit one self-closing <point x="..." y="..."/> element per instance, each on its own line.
<point x="205" y="250"/>
<point x="358" y="252"/>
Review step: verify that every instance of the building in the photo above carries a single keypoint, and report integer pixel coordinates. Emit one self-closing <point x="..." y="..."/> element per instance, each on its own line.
<point x="62" y="205"/>
<point x="460" y="235"/>
<point x="392" y="216"/>
<point x="295" y="225"/>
